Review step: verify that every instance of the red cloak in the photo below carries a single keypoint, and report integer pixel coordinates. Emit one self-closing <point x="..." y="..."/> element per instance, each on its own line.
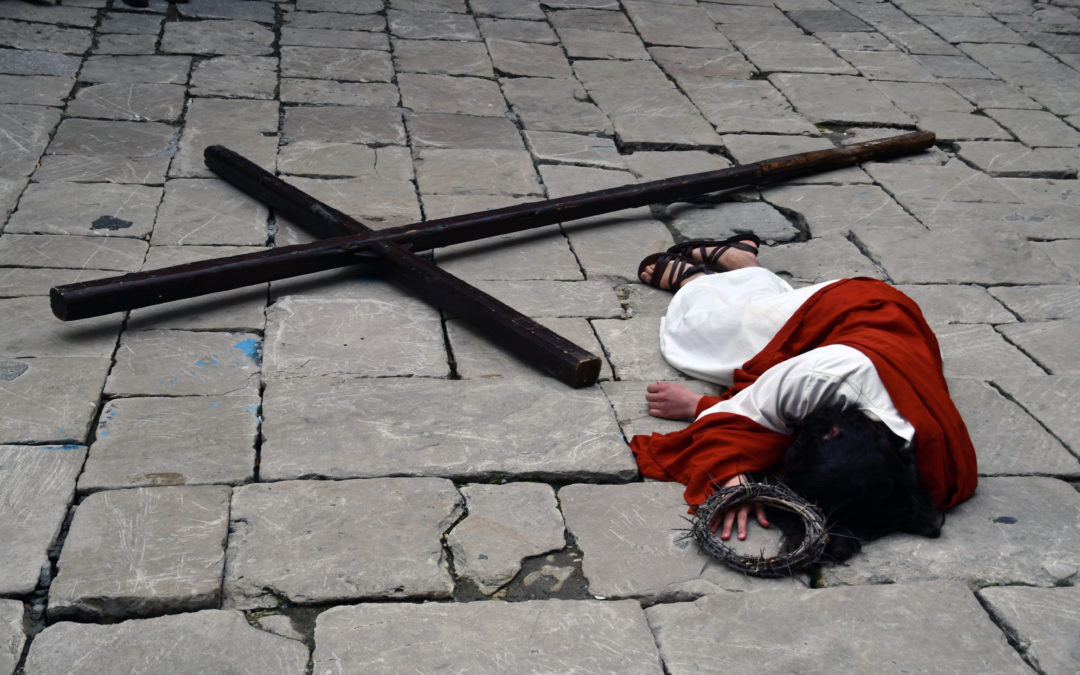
<point x="879" y="321"/>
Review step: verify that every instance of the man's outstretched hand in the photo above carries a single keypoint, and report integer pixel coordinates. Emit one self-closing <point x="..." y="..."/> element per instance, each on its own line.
<point x="738" y="515"/>
<point x="671" y="401"/>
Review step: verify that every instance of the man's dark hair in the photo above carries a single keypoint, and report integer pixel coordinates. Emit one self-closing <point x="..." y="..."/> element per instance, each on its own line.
<point x="863" y="479"/>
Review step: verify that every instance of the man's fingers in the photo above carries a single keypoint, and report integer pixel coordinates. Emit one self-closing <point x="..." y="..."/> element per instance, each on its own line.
<point x="743" y="514"/>
<point x="729" y="520"/>
<point x="762" y="520"/>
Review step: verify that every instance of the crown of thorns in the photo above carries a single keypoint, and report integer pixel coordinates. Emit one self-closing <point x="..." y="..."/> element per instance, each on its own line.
<point x="792" y="559"/>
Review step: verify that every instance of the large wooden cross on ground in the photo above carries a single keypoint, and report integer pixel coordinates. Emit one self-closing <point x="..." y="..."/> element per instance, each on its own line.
<point x="349" y="242"/>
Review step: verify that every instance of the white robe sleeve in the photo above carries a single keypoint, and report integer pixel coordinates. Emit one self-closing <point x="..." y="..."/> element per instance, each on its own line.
<point x="835" y="375"/>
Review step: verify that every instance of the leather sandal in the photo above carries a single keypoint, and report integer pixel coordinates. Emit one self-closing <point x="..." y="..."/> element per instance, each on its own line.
<point x="660" y="263"/>
<point x="687" y="248"/>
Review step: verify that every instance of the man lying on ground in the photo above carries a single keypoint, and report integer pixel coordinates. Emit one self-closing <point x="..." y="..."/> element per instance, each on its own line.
<point x="837" y="388"/>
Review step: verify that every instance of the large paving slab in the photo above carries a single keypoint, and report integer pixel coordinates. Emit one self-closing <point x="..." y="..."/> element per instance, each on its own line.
<point x="208" y="641"/>
<point x="179" y="363"/>
<point x="36" y="332"/>
<point x="497" y="637"/>
<point x="306" y="542"/>
<point x="143" y="552"/>
<point x="474" y="429"/>
<point x="37" y="484"/>
<point x="51" y="398"/>
<point x="1031" y="524"/>
<point x="208" y="212"/>
<point x="1042" y="621"/>
<point x="1050" y="399"/>
<point x="12" y="635"/>
<point x="86" y="209"/>
<point x="882" y="629"/>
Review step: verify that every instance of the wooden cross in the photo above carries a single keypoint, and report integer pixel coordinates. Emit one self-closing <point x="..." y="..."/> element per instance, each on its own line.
<point x="350" y="242"/>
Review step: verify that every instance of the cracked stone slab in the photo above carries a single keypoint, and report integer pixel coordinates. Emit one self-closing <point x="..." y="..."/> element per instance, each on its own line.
<point x="838" y="98"/>
<point x="86" y="209"/>
<point x="690" y="65"/>
<point x="528" y="59"/>
<point x="839" y="209"/>
<point x="473" y="429"/>
<point x="34" y="331"/>
<point x="12" y="635"/>
<point x="979" y="351"/>
<point x="655" y="165"/>
<point x="199" y="642"/>
<point x="107" y="137"/>
<point x="377" y="202"/>
<point x="442" y="130"/>
<point x="505" y="524"/>
<point x="720" y="221"/>
<point x="150" y="441"/>
<point x="1031" y="522"/>
<point x="876" y="628"/>
<point x="432" y="25"/>
<point x="1041" y="303"/>
<point x="745" y="106"/>
<point x="26" y="134"/>
<point x="545" y="104"/>
<point x="633" y="540"/>
<point x="1001" y="158"/>
<point x="35" y="62"/>
<point x="942" y="304"/>
<point x="126" y="44"/>
<point x="336" y="21"/>
<point x="35" y="89"/>
<point x="438" y="57"/>
<point x="613" y="245"/>
<point x="628" y="400"/>
<point x="1064" y="253"/>
<point x="542" y="253"/>
<point x="320" y="158"/>
<point x="102" y="169"/>
<point x="774" y="49"/>
<point x="129" y="101"/>
<point x="594" y="44"/>
<point x="1037" y="128"/>
<point x="223" y="9"/>
<point x="378" y="332"/>
<point x="393" y="552"/>
<point x="924" y="97"/>
<point x="241" y="309"/>
<point x="445" y="94"/>
<point x="679" y="25"/>
<point x="480" y="171"/>
<point x="891" y="66"/>
<point x="37" y="484"/>
<point x="329" y="92"/>
<point x="178" y="363"/>
<point x="143" y="552"/>
<point x="344" y="125"/>
<point x="235" y="76"/>
<point x="73" y="252"/>
<point x="517" y="30"/>
<point x="488" y="637"/>
<point x="559" y="148"/>
<point x="545" y="298"/>
<point x="1034" y="221"/>
<point x="44" y="36"/>
<point x="747" y="148"/>
<point x="1042" y="621"/>
<point x="327" y="37"/>
<point x="817" y="260"/>
<point x="633" y="348"/>
<point x="17" y="282"/>
<point x="208" y="212"/>
<point x="229" y="37"/>
<point x="50" y="399"/>
<point x="1051" y="343"/>
<point x="999" y="428"/>
<point x="1044" y="190"/>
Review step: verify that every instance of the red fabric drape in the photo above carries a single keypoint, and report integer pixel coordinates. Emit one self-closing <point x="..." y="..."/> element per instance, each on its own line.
<point x="886" y="326"/>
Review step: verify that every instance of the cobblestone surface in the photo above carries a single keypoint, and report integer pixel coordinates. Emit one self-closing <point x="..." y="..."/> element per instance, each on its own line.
<point x="231" y="475"/>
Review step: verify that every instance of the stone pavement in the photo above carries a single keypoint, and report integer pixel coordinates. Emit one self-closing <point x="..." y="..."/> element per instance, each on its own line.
<point x="326" y="474"/>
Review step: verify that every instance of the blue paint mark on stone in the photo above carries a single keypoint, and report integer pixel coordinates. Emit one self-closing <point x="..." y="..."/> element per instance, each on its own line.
<point x="252" y="349"/>
<point x="253" y="409"/>
<point x="213" y="405"/>
<point x="69" y="446"/>
<point x="200" y="363"/>
<point x="214" y="361"/>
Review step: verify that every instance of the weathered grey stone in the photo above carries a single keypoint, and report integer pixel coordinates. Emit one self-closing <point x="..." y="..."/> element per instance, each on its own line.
<point x="1037" y="128"/>
<point x="478" y="429"/>
<point x="142" y="68"/>
<point x="688" y="65"/>
<point x="595" y="44"/>
<point x="332" y="63"/>
<point x="957" y="304"/>
<point x="143" y="552"/>
<point x="476" y="172"/>
<point x="432" y="25"/>
<point x="613" y="245"/>
<point x="43" y="36"/>
<point x="517" y="30"/>
<point x="377" y="333"/>
<point x="240" y="309"/>
<point x="376" y="94"/>
<point x="178" y="363"/>
<point x="837" y="210"/>
<point x="655" y="165"/>
<point x="126" y="44"/>
<point x="511" y="9"/>
<point x="779" y="48"/>
<point x="392" y="552"/>
<point x="542" y="253"/>
<point x="129" y="101"/>
<point x="546" y="298"/>
<point x="440" y="130"/>
<point x="200" y="642"/>
<point x="280" y="624"/>
<point x="971" y="29"/>
<point x="50" y="399"/>
<point x="587" y="18"/>
<point x="631" y="409"/>
<point x="1032" y="522"/>
<point x="838" y="98"/>
<point x="1040" y="220"/>
<point x="1007" y="440"/>
<point x="445" y="94"/>
<point x="377" y="202"/>
<point x="978" y="351"/>
<point x="10" y="189"/>
<point x="102" y="169"/>
<point x="1041" y="303"/>
<point x="506" y="523"/>
<point x="682" y="25"/>
<point x="559" y="147"/>
<point x="1064" y="253"/>
<point x="894" y="66"/>
<point x="34" y="250"/>
<point x="344" y="125"/>
<point x="439" y="57"/>
<point x="991" y="93"/>
<point x="528" y="59"/>
<point x="1050" y="343"/>
<point x="924" y="97"/>
<point x="879" y="628"/>
<point x="949" y="67"/>
<point x="128" y="139"/>
<point x="633" y="348"/>
<point x="817" y="260"/>
<point x="33" y="331"/>
<point x="240" y="38"/>
<point x="1016" y="159"/>
<point x="262" y="12"/>
<point x="743" y="105"/>
<point x="952" y="182"/>
<point x="208" y="212"/>
<point x="86" y="209"/>
<point x="991" y="257"/>
<point x="151" y="441"/>
<point x="34" y="89"/>
<point x="326" y="37"/>
<point x="554" y="105"/>
<point x="235" y="76"/>
<point x="747" y="148"/>
<point x="489" y="637"/>
<point x="16" y="282"/>
<point x="720" y="221"/>
<point x="633" y="538"/>
<point x="37" y="484"/>
<point x="817" y="20"/>
<point x="336" y="21"/>
<point x="952" y="126"/>
<point x="1044" y="190"/>
<point x="391" y="163"/>
<point x="12" y="635"/>
<point x="1042" y="621"/>
<point x="861" y="41"/>
<point x="33" y="62"/>
<point x="129" y="23"/>
<point x="252" y="144"/>
<point x="26" y="133"/>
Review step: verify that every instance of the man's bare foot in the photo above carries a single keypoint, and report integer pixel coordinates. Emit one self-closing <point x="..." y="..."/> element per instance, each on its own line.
<point x="671" y="401"/>
<point x="730" y="258"/>
<point x="673" y="278"/>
